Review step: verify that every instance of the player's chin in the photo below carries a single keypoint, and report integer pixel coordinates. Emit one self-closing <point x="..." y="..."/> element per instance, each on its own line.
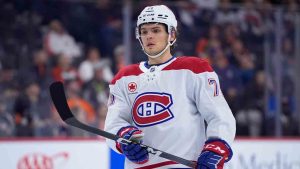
<point x="152" y="52"/>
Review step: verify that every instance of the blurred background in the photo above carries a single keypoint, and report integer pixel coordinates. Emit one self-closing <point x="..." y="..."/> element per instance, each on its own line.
<point x="253" y="45"/>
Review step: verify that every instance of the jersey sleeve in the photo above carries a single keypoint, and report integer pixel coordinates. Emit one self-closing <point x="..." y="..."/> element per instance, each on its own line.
<point x="118" y="114"/>
<point x="213" y="107"/>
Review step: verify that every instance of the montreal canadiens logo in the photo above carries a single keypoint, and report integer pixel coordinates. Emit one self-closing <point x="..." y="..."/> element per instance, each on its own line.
<point x="152" y="108"/>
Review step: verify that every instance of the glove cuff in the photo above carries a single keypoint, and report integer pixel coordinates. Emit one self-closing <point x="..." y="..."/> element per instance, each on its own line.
<point x="121" y="133"/>
<point x="220" y="147"/>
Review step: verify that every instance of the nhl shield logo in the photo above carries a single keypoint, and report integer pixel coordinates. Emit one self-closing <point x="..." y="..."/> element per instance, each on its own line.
<point x="152" y="108"/>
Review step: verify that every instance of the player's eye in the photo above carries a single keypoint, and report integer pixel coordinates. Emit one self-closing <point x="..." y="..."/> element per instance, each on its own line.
<point x="144" y="32"/>
<point x="156" y="30"/>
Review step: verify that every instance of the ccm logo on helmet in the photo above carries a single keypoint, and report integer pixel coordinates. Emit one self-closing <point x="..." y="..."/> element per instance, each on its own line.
<point x="152" y="108"/>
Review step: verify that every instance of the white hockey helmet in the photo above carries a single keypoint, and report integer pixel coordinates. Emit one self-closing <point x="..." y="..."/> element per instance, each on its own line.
<point x="157" y="14"/>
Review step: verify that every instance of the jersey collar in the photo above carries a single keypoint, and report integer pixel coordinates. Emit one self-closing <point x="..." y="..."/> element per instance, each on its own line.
<point x="145" y="67"/>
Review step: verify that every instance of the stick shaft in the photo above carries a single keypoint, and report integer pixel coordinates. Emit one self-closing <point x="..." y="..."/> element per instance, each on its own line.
<point x="59" y="99"/>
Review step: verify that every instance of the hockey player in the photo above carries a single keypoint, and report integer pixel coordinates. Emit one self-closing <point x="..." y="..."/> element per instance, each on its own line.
<point x="174" y="104"/>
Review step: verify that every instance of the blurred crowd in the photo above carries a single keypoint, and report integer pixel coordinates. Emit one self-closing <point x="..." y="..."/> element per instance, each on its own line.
<point x="80" y="43"/>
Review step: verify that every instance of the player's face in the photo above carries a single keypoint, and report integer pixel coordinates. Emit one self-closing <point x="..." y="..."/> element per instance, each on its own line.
<point x="154" y="38"/>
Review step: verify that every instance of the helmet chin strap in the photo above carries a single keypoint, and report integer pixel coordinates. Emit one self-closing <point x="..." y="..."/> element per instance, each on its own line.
<point x="160" y="53"/>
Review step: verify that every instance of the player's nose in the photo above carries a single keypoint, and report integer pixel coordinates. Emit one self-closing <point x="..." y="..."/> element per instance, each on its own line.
<point x="149" y="36"/>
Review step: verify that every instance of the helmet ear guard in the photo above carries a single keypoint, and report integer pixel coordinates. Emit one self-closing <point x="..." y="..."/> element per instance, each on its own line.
<point x="137" y="32"/>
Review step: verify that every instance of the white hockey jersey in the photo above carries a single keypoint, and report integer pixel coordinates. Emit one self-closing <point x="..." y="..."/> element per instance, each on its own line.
<point x="169" y="103"/>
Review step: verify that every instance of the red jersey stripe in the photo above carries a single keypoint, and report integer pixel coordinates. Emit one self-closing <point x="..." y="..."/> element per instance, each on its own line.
<point x="131" y="70"/>
<point x="195" y="64"/>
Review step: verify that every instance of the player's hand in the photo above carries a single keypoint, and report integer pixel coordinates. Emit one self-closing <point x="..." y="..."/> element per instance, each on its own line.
<point x="134" y="152"/>
<point x="214" y="154"/>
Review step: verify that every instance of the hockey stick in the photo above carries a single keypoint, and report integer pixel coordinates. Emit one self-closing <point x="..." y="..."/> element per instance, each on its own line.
<point x="59" y="99"/>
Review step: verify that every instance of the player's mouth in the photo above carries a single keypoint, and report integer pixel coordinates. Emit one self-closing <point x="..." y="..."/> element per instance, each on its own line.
<point x="150" y="45"/>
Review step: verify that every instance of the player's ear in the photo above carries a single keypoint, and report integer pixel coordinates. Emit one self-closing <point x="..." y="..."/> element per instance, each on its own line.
<point x="173" y="35"/>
